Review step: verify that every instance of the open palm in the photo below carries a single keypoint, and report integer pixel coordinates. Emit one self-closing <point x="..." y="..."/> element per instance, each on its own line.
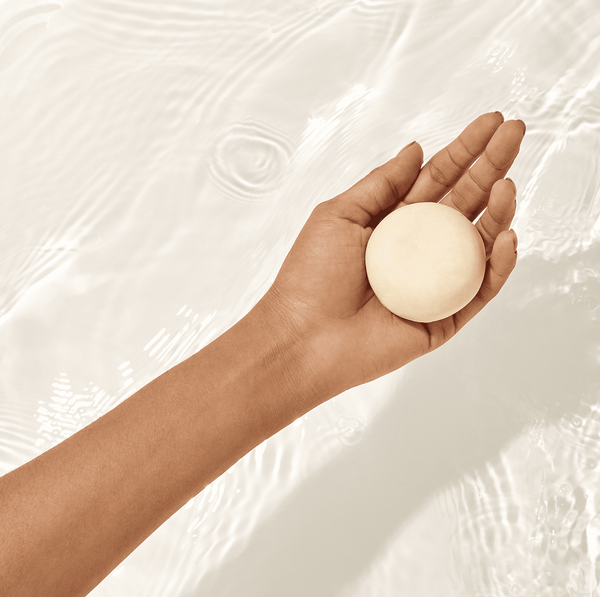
<point x="322" y="288"/>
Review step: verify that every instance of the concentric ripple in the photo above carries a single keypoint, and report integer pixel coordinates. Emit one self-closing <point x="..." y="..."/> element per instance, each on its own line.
<point x="249" y="160"/>
<point x="121" y="122"/>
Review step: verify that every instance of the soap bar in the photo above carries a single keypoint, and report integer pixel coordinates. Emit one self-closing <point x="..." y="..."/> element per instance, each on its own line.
<point x="425" y="261"/>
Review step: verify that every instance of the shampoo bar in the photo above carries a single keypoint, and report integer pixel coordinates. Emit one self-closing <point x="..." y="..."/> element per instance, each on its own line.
<point x="425" y="261"/>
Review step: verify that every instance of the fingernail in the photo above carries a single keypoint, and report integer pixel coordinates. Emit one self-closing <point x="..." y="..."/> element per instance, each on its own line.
<point x="524" y="126"/>
<point x="502" y="115"/>
<point x="515" y="239"/>
<point x="513" y="182"/>
<point x="405" y="148"/>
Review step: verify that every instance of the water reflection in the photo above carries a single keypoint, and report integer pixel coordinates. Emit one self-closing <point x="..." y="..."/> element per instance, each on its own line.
<point x="158" y="154"/>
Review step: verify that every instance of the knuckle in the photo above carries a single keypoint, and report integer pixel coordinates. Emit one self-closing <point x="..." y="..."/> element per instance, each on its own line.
<point x="500" y="273"/>
<point x="504" y="220"/>
<point x="490" y="162"/>
<point x="487" y="235"/>
<point x="379" y="186"/>
<point x="437" y="175"/>
<point x="477" y="184"/>
<point x="460" y="201"/>
<point x="469" y="152"/>
<point x="486" y="293"/>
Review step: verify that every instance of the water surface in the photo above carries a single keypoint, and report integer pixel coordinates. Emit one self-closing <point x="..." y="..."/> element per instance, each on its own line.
<point x="158" y="159"/>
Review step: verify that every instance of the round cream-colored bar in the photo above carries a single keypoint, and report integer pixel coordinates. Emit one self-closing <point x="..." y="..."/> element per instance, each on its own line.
<point x="425" y="261"/>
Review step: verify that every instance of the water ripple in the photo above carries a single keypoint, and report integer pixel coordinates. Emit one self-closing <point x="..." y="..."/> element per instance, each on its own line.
<point x="21" y="269"/>
<point x="533" y="527"/>
<point x="68" y="409"/>
<point x="249" y="160"/>
<point x="192" y="335"/>
<point x="16" y="434"/>
<point x="349" y="430"/>
<point x="107" y="110"/>
<point x="21" y="31"/>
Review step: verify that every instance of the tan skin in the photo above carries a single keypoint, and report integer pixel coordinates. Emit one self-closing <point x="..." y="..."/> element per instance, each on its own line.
<point x="323" y="286"/>
<point x="71" y="515"/>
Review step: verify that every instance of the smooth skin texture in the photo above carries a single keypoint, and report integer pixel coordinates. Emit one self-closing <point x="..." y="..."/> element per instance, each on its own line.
<point x="71" y="515"/>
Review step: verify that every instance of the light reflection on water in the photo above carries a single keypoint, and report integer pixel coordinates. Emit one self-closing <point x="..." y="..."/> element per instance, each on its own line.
<point x="157" y="161"/>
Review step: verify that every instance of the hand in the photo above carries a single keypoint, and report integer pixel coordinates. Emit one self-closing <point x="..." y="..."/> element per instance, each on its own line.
<point x="322" y="295"/>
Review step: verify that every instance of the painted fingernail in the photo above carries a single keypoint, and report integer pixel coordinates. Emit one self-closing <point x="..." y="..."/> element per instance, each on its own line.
<point x="515" y="239"/>
<point x="524" y="126"/>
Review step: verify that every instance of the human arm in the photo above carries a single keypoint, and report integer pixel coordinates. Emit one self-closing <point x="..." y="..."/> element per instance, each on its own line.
<point x="71" y="515"/>
<point x="68" y="517"/>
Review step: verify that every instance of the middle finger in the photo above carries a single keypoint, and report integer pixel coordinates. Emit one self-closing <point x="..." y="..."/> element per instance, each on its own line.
<point x="447" y="166"/>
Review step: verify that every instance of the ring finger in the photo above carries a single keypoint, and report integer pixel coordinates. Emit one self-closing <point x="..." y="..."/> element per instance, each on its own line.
<point x="499" y="213"/>
<point x="471" y="193"/>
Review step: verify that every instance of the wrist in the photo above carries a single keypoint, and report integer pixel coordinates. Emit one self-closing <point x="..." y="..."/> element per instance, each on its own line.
<point x="283" y="351"/>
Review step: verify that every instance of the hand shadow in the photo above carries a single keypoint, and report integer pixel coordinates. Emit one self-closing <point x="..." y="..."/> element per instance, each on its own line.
<point x="528" y="353"/>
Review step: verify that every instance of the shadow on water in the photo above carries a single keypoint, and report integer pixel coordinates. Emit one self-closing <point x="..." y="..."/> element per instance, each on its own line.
<point x="531" y="355"/>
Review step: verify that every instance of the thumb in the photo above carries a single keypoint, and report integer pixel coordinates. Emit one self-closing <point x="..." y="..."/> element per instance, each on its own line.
<point x="382" y="188"/>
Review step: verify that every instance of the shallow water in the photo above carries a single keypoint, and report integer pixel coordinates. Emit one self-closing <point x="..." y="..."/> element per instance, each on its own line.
<point x="157" y="160"/>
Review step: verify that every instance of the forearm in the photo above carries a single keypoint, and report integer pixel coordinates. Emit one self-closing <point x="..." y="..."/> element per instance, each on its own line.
<point x="68" y="517"/>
